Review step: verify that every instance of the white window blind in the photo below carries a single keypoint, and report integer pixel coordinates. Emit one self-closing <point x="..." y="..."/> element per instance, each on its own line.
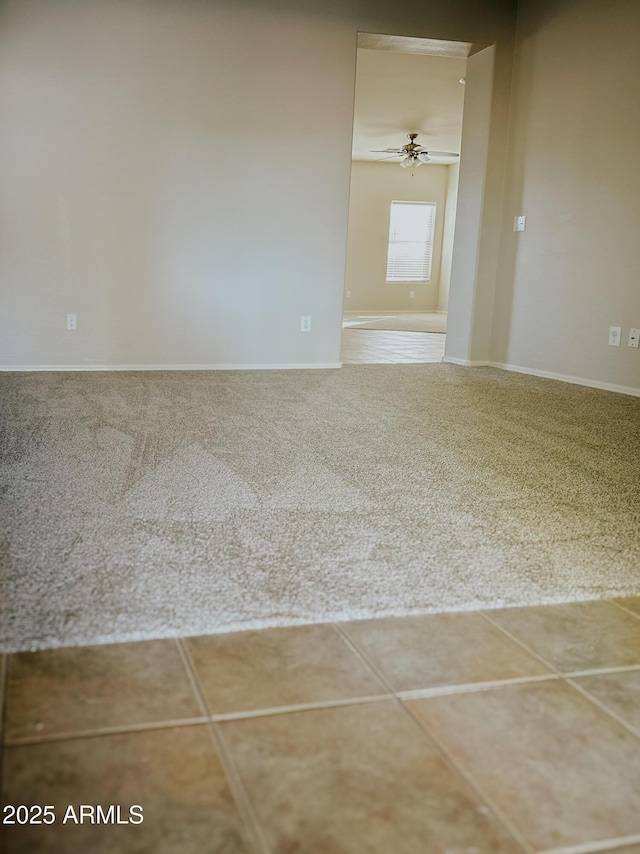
<point x="411" y="229"/>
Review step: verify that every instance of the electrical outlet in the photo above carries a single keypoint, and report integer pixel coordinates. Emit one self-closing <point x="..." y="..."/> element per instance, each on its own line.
<point x="634" y="337"/>
<point x="412" y="294"/>
<point x="348" y="294"/>
<point x="305" y="323"/>
<point x="72" y="323"/>
<point x="519" y="223"/>
<point x="614" y="336"/>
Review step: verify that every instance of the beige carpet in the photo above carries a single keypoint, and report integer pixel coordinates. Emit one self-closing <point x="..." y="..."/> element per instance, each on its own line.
<point x="155" y="504"/>
<point x="427" y="321"/>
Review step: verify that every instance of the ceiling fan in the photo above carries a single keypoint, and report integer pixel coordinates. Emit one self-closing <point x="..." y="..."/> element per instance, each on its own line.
<point x="412" y="154"/>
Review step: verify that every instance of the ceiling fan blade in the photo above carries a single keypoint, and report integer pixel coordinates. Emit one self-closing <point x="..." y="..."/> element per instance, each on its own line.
<point x="390" y="157"/>
<point x="441" y="153"/>
<point x="387" y="151"/>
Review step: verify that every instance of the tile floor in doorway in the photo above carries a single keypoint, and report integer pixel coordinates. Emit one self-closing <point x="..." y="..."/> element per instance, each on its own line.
<point x="503" y="731"/>
<point x="373" y="346"/>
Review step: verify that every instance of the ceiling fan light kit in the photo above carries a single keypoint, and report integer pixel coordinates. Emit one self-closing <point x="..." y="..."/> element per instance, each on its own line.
<point x="414" y="155"/>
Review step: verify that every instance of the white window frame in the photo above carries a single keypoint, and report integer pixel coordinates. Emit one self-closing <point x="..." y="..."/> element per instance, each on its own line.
<point x="415" y="264"/>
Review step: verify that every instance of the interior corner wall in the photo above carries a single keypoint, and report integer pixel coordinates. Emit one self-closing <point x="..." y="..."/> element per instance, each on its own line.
<point x="373" y="187"/>
<point x="176" y="173"/>
<point x="573" y="171"/>
<point x="451" y="204"/>
<point x="479" y="209"/>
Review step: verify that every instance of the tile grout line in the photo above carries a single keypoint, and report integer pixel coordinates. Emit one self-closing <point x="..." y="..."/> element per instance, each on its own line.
<point x="623" y="608"/>
<point x="602" y="671"/>
<point x="190" y="670"/>
<point x="609" y="712"/>
<point x="301" y="707"/>
<point x="473" y="687"/>
<point x="468" y="778"/>
<point x="569" y="677"/>
<point x="595" y="847"/>
<point x="151" y="726"/>
<point x="569" y="674"/>
<point x="495" y="813"/>
<point x="353" y="646"/>
<point x="520" y="643"/>
<point x="236" y="785"/>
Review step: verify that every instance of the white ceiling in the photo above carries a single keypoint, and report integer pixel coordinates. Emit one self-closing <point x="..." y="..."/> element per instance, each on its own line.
<point x="397" y="93"/>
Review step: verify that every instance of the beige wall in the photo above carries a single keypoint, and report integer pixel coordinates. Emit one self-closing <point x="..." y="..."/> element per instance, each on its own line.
<point x="475" y="251"/>
<point x="453" y="179"/>
<point x="574" y="172"/>
<point x="373" y="187"/>
<point x="177" y="173"/>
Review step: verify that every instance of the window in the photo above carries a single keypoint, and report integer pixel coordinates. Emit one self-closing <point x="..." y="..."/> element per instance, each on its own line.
<point x="411" y="229"/>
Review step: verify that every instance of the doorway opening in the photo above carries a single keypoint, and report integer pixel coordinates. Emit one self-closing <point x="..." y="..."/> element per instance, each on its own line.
<point x="407" y="136"/>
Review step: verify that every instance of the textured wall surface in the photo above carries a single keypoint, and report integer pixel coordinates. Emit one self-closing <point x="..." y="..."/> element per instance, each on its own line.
<point x="573" y="171"/>
<point x="373" y="187"/>
<point x="177" y="173"/>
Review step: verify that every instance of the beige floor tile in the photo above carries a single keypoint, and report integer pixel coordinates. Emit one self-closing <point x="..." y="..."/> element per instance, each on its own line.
<point x="266" y="669"/>
<point x="356" y="779"/>
<point x="632" y="603"/>
<point x="577" y="636"/>
<point x="619" y="692"/>
<point x="441" y="649"/>
<point x="88" y="688"/>
<point x="623" y="849"/>
<point x="174" y="774"/>
<point x="558" y="767"/>
<point x="361" y="346"/>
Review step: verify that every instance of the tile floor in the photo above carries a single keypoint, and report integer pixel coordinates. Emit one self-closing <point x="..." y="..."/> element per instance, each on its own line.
<point x="373" y="346"/>
<point x="500" y="731"/>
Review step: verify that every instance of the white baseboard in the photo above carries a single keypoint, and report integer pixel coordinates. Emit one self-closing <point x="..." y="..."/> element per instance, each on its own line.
<point x="464" y="362"/>
<point x="565" y="378"/>
<point x="549" y="375"/>
<point x="224" y="367"/>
